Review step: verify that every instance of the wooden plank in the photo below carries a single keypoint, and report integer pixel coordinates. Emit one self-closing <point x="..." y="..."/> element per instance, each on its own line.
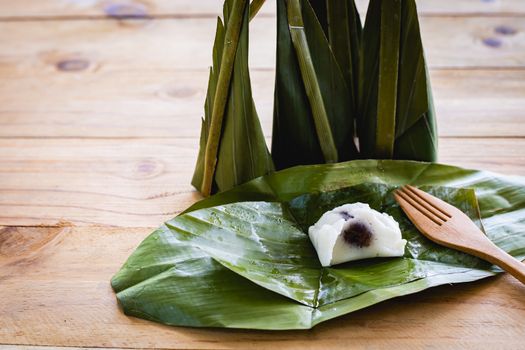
<point x="119" y="103"/>
<point x="479" y="103"/>
<point x="57" y="294"/>
<point x="463" y="7"/>
<point x="103" y="8"/>
<point x="473" y="42"/>
<point x="503" y="155"/>
<point x="38" y="347"/>
<point x="143" y="182"/>
<point x="90" y="45"/>
<point x="157" y="103"/>
<point x="133" y="183"/>
<point x="210" y="8"/>
<point x="167" y="44"/>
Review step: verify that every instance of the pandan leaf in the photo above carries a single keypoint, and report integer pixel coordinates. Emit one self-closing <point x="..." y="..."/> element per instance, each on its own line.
<point x="231" y="262"/>
<point x="313" y="115"/>
<point x="232" y="146"/>
<point x="396" y="118"/>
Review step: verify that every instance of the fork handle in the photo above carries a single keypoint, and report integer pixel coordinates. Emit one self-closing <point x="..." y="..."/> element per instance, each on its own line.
<point x="506" y="261"/>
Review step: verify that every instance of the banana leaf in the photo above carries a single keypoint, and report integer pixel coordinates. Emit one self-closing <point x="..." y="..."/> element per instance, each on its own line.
<point x="396" y="118"/>
<point x="242" y="154"/>
<point x="342" y="26"/>
<point x="344" y="34"/>
<point x="313" y="112"/>
<point x="241" y="258"/>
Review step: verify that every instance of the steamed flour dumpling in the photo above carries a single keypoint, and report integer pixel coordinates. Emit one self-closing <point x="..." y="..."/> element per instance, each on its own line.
<point x="355" y="231"/>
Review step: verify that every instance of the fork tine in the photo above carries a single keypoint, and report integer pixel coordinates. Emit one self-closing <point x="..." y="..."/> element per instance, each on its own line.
<point x="414" y="203"/>
<point x="437" y="203"/>
<point x="424" y="203"/>
<point x="417" y="216"/>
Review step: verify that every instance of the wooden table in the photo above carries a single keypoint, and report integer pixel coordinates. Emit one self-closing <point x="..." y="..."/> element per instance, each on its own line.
<point x="99" y="120"/>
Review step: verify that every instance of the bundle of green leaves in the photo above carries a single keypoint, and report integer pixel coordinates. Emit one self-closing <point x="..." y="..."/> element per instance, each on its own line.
<point x="342" y="91"/>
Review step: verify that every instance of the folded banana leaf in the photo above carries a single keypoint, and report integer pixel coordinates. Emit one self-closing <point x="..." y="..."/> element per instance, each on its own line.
<point x="314" y="113"/>
<point x="238" y="151"/>
<point x="396" y="118"/>
<point x="242" y="259"/>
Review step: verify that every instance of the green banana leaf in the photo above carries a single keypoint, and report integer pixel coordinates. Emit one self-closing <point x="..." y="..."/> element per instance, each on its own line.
<point x="344" y="34"/>
<point x="242" y="153"/>
<point x="241" y="258"/>
<point x="341" y="24"/>
<point x="313" y="112"/>
<point x="396" y="118"/>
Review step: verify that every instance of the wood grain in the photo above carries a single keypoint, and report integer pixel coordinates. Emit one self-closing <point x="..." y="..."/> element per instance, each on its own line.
<point x="143" y="182"/>
<point x="156" y="103"/>
<point x="64" y="301"/>
<point x="133" y="183"/>
<point x="60" y="9"/>
<point x="57" y="9"/>
<point x="185" y="44"/>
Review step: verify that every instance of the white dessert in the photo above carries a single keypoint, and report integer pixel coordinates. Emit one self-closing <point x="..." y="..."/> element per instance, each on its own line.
<point x="355" y="231"/>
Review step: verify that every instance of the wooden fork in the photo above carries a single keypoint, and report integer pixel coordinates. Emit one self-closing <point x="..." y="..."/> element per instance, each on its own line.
<point x="449" y="226"/>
